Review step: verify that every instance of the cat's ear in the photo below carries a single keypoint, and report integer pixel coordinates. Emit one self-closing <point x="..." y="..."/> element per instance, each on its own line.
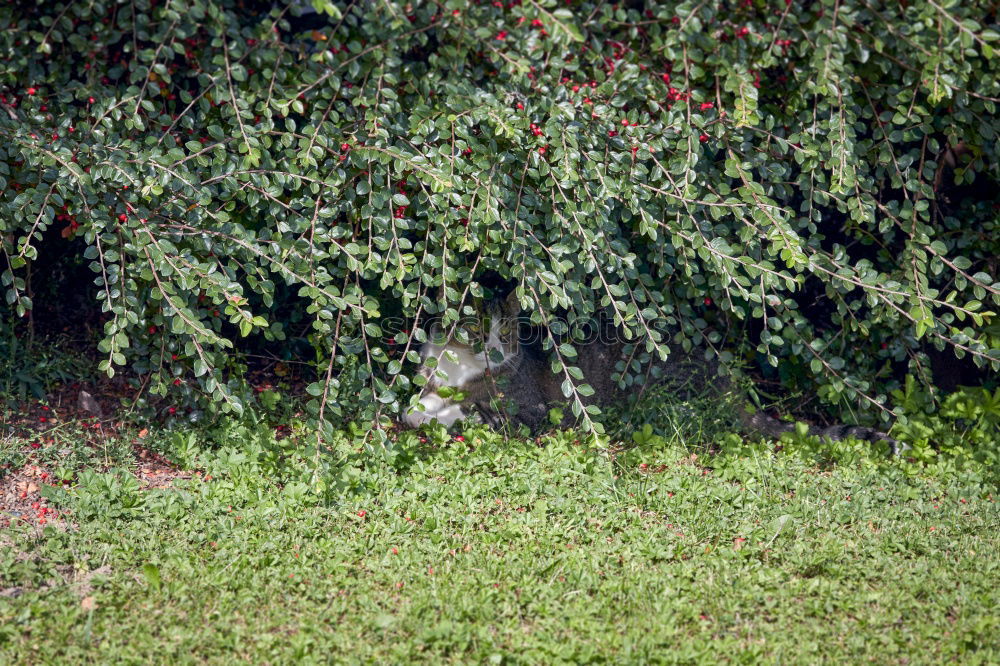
<point x="512" y="306"/>
<point x="440" y="297"/>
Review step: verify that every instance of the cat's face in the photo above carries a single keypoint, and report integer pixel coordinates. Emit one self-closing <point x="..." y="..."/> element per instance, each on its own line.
<point x="489" y="335"/>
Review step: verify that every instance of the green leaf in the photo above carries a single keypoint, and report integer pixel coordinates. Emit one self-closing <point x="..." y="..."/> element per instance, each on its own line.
<point x="151" y="573"/>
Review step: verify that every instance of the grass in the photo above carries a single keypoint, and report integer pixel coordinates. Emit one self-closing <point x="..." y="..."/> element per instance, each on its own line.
<point x="499" y="551"/>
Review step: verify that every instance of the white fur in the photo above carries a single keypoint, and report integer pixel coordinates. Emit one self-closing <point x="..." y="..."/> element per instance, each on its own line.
<point x="465" y="367"/>
<point x="434" y="407"/>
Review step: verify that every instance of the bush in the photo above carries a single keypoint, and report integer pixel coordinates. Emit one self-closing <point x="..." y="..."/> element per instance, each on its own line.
<point x="824" y="172"/>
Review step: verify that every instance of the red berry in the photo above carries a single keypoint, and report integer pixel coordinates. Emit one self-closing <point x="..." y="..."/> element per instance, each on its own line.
<point x="703" y="138"/>
<point x="31" y="91"/>
<point x="708" y="301"/>
<point x="152" y="329"/>
<point x="362" y="513"/>
<point x="345" y="146"/>
<point x="707" y="105"/>
<point x="123" y="217"/>
<point x="90" y="100"/>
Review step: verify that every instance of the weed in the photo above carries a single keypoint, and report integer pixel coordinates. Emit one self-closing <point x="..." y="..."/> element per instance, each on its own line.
<point x="422" y="546"/>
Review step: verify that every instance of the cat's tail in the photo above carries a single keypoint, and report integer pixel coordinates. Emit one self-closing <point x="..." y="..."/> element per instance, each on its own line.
<point x="771" y="427"/>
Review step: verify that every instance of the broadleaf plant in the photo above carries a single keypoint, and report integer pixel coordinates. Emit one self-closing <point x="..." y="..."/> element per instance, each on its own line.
<point x="677" y="165"/>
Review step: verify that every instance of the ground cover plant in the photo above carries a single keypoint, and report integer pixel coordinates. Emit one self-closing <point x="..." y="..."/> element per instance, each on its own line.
<point x="679" y="544"/>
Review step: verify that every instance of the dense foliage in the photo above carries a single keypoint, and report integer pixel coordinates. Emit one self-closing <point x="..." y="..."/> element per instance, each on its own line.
<point x="526" y="554"/>
<point x="824" y="172"/>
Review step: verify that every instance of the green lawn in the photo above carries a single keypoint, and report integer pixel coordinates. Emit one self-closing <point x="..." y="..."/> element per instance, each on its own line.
<point x="504" y="551"/>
